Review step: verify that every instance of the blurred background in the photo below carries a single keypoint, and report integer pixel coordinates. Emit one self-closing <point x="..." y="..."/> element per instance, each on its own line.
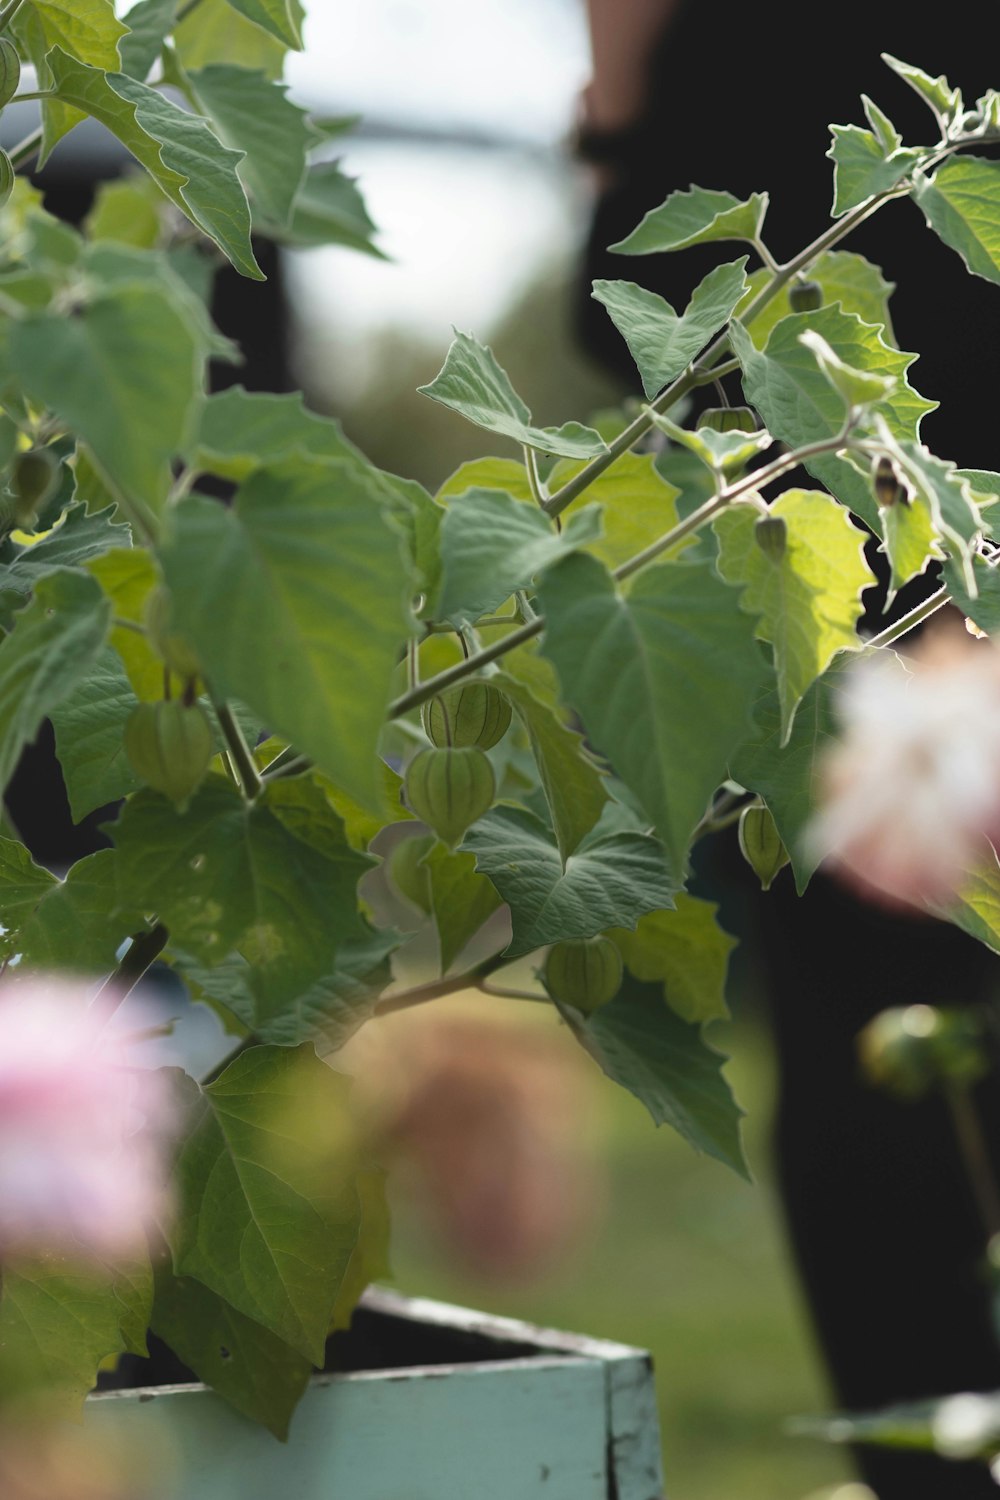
<point x="462" y="154"/>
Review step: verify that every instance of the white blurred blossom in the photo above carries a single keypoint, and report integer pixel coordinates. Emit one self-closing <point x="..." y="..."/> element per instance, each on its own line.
<point x="82" y="1130"/>
<point x="912" y="788"/>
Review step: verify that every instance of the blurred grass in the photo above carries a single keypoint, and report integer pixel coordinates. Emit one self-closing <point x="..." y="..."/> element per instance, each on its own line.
<point x="689" y="1263"/>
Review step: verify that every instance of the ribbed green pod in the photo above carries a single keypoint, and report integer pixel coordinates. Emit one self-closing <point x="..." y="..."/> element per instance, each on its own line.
<point x="10" y="71"/>
<point x="771" y="536"/>
<point x="761" y="844"/>
<point x="584" y="972"/>
<point x="449" y="789"/>
<point x="474" y="713"/>
<point x="805" y="296"/>
<point x="169" y="747"/>
<point x="34" y="477"/>
<point x="729" y="419"/>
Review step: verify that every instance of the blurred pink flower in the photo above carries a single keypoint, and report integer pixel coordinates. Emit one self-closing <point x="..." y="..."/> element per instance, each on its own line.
<point x="911" y="789"/>
<point x="82" y="1133"/>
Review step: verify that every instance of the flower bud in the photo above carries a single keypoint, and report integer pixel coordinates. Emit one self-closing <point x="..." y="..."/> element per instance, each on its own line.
<point x="760" y="844"/>
<point x="585" y="973"/>
<point x="805" y="296"/>
<point x="474" y="713"/>
<point x="450" y="789"/>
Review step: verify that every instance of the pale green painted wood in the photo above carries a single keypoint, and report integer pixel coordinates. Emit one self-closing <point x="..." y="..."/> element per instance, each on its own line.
<point x="574" y="1421"/>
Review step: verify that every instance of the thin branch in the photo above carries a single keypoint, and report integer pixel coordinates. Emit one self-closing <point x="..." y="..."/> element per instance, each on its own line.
<point x="893" y="633"/>
<point x="143" y="951"/>
<point x="239" y="751"/>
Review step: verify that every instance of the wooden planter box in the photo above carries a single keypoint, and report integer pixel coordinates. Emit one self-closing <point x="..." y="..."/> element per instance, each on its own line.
<point x="435" y="1403"/>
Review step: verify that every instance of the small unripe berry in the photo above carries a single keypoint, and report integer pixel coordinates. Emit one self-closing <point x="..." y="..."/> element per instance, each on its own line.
<point x="583" y="972"/>
<point x="475" y="713"/>
<point x="449" y="789"/>
<point x="805" y="296"/>
<point x="34" y="479"/>
<point x="771" y="536"/>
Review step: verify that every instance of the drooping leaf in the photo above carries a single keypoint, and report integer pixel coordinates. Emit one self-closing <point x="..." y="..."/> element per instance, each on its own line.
<point x="609" y="882"/>
<point x="960" y="203"/>
<point x="328" y="210"/>
<point x="176" y="147"/>
<point x="800" y="406"/>
<point x="461" y="900"/>
<point x="785" y="775"/>
<point x="312" y="540"/>
<point x="56" y="639"/>
<point x="89" y="726"/>
<point x="254" y="1370"/>
<point x="22" y="886"/>
<point x="94" y="371"/>
<point x="845" y="278"/>
<point x="687" y="952"/>
<point x="473" y="384"/>
<point x="88" y="30"/>
<point x="698" y="216"/>
<point x="268" y="1214"/>
<point x="663" y="679"/>
<point x="149" y="24"/>
<point x="808" y="601"/>
<point x="661" y="343"/>
<point x="641" y="1044"/>
<point x="252" y="114"/>
<point x="60" y="1316"/>
<point x="573" y="785"/>
<point x="937" y="93"/>
<point x="226" y="876"/>
<point x="856" y="388"/>
<point x="864" y="168"/>
<point x="492" y="545"/>
<point x="81" y="922"/>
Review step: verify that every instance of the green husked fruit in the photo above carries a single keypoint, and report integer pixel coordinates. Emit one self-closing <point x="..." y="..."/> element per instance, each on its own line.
<point x="10" y="71"/>
<point x="910" y="1051"/>
<point x="449" y="789"/>
<point x="172" y="649"/>
<point x="34" y="479"/>
<point x="473" y="714"/>
<point x="887" y="484"/>
<point x="7" y="177"/>
<point x="760" y="843"/>
<point x="771" y="536"/>
<point x="729" y="419"/>
<point x="410" y="877"/>
<point x="805" y="296"/>
<point x="585" y="973"/>
<point x="170" y="747"/>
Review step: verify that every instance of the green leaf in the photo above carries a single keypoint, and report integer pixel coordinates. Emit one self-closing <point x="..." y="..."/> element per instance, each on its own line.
<point x="937" y="93"/>
<point x="128" y="577"/>
<point x="985" y="487"/>
<point x="610" y="882"/>
<point x="662" y="678"/>
<point x="370" y="1261"/>
<point x="461" y="900"/>
<point x="492" y="474"/>
<point x="946" y="494"/>
<point x="80" y="924"/>
<point x="176" y="147"/>
<point x="275" y="16"/>
<point x="88" y="30"/>
<point x="109" y="265"/>
<point x="89" y="726"/>
<point x="473" y="384"/>
<point x="809" y="602"/>
<point x="127" y="211"/>
<point x="845" y="278"/>
<point x="785" y="775"/>
<point x="242" y="431"/>
<point x="312" y="540"/>
<point x="721" y="452"/>
<point x="94" y="371"/>
<point x="800" y="406"/>
<point x="976" y="908"/>
<point x="255" y="1371"/>
<point x="328" y="210"/>
<point x="961" y="203"/>
<point x="911" y="539"/>
<point x="149" y="24"/>
<point x="214" y="32"/>
<point x="863" y="167"/>
<point x="638" y="506"/>
<point x="639" y="1043"/>
<point x="55" y="640"/>
<point x="573" y="785"/>
<point x="74" y="540"/>
<point x="229" y="876"/>
<point x="983" y="607"/>
<point x="269" y="1215"/>
<point x="492" y="545"/>
<point x="252" y="114"/>
<point x="661" y="343"/>
<point x="60" y="1316"/>
<point x="22" y="886"/>
<point x="687" y="952"/>
<point x="856" y="388"/>
<point x="696" y="217"/>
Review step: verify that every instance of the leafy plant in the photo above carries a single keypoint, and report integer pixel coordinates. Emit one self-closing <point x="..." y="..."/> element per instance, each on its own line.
<point x="570" y="669"/>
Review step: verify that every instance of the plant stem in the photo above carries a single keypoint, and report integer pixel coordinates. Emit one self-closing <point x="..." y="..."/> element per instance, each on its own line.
<point x="22" y="153"/>
<point x="438" y="988"/>
<point x="534" y="478"/>
<point x="8" y="13"/>
<point x="185" y="11"/>
<point x="908" y="622"/>
<point x="975" y="1157"/>
<point x="143" y="951"/>
<point x="437" y="684"/>
<point x="239" y="751"/>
